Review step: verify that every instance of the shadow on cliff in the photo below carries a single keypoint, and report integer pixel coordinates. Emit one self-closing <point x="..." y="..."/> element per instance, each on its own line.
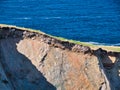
<point x="20" y="70"/>
<point x="110" y="69"/>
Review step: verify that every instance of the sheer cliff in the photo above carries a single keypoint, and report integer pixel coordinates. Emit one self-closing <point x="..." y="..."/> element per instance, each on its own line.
<point x="35" y="61"/>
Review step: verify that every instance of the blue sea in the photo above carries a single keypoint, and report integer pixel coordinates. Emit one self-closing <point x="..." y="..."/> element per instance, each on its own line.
<point x="93" y="21"/>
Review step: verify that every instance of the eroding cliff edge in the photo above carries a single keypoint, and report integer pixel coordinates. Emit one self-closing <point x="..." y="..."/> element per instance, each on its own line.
<point x="35" y="61"/>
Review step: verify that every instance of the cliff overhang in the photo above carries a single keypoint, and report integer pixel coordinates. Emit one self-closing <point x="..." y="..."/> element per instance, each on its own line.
<point x="40" y="58"/>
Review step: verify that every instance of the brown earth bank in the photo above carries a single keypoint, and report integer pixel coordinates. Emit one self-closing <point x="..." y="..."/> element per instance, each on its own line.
<point x="35" y="61"/>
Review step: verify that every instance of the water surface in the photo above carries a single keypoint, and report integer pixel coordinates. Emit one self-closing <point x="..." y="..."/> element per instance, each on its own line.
<point x="95" y="21"/>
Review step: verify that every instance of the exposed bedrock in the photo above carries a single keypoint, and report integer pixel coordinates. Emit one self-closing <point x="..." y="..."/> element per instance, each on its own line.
<point x="36" y="61"/>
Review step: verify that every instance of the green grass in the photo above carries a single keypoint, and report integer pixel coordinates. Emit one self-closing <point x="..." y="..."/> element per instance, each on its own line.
<point x="109" y="48"/>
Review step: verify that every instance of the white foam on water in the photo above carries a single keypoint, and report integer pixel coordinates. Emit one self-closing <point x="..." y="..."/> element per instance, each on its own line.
<point x="51" y="17"/>
<point x="105" y="44"/>
<point x="24" y="18"/>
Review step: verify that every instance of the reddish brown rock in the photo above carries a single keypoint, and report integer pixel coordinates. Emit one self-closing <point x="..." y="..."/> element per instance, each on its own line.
<point x="45" y="63"/>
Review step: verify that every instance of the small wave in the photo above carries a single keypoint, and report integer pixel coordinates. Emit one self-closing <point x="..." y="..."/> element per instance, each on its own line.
<point x="93" y="17"/>
<point x="75" y="17"/>
<point x="51" y="17"/>
<point x="24" y="18"/>
<point x="105" y="44"/>
<point x="117" y="44"/>
<point x="97" y="43"/>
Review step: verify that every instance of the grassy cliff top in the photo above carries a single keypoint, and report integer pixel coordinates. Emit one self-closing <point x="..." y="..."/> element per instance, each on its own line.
<point x="92" y="46"/>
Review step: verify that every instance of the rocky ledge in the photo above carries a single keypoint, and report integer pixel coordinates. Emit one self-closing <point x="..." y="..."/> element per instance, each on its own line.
<point x="11" y="32"/>
<point x="32" y="60"/>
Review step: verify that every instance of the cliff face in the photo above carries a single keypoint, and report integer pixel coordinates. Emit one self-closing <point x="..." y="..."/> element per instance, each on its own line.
<point x="35" y="61"/>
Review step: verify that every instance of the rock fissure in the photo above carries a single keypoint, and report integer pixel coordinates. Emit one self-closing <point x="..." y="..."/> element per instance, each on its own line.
<point x="42" y="60"/>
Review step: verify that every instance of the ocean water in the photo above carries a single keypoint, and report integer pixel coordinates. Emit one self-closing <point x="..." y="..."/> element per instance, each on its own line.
<point x="94" y="21"/>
